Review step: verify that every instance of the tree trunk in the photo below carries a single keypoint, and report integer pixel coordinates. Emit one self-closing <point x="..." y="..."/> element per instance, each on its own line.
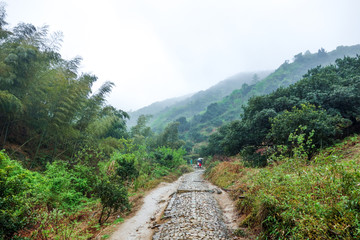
<point x="55" y="150"/>
<point x="7" y="125"/>
<point x="108" y="215"/>
<point x="101" y="215"/>
<point x="39" y="144"/>
<point x="2" y="131"/>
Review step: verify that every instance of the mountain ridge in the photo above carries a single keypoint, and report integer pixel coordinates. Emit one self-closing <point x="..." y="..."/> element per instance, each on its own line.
<point x="230" y="107"/>
<point x="154" y="108"/>
<point x="171" y="109"/>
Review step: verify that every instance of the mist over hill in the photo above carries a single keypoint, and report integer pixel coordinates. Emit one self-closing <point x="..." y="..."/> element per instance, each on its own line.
<point x="230" y="107"/>
<point x="154" y="108"/>
<point x="169" y="110"/>
<point x="200" y="114"/>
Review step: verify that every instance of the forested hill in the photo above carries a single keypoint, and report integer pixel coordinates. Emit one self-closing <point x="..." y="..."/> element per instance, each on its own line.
<point x="154" y="108"/>
<point x="230" y="107"/>
<point x="170" y="110"/>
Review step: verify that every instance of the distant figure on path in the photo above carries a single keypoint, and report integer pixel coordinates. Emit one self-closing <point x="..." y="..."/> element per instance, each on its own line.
<point x="199" y="162"/>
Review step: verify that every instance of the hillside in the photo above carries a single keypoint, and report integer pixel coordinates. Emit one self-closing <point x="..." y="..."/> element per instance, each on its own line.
<point x="170" y="110"/>
<point x="230" y="107"/>
<point x="324" y="105"/>
<point x="294" y="198"/>
<point x="154" y="109"/>
<point x="287" y="162"/>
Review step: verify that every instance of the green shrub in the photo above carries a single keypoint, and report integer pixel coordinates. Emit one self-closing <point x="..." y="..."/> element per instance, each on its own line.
<point x="113" y="197"/>
<point x="168" y="157"/>
<point x="160" y="171"/>
<point x="84" y="179"/>
<point x="323" y="126"/>
<point x="254" y="158"/>
<point x="126" y="169"/>
<point x="17" y="195"/>
<point x="65" y="189"/>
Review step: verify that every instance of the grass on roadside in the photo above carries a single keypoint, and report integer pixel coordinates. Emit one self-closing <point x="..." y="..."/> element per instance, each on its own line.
<point x="298" y="199"/>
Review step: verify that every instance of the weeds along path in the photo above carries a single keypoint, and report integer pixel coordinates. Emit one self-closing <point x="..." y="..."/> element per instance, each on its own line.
<point x="193" y="212"/>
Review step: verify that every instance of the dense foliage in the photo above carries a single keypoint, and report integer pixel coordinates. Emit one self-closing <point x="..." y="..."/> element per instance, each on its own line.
<point x="45" y="102"/>
<point x="294" y="198"/>
<point x="230" y="107"/>
<point x="76" y="162"/>
<point x="325" y="101"/>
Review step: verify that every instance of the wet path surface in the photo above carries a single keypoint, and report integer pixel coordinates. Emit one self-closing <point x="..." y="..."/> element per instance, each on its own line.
<point x="139" y="226"/>
<point x="192" y="212"/>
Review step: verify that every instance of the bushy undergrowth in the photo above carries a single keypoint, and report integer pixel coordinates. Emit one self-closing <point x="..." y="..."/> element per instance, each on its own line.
<point x="299" y="199"/>
<point x="42" y="201"/>
<point x="52" y="204"/>
<point x="15" y="194"/>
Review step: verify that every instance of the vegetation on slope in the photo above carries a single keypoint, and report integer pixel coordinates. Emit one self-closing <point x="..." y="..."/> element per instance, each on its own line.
<point x="201" y="125"/>
<point x="195" y="104"/>
<point x="325" y="102"/>
<point x="68" y="163"/>
<point x="69" y="201"/>
<point x="303" y="190"/>
<point x="154" y="109"/>
<point x="294" y="198"/>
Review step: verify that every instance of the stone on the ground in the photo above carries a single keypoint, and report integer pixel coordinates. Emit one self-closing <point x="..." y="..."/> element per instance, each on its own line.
<point x="192" y="213"/>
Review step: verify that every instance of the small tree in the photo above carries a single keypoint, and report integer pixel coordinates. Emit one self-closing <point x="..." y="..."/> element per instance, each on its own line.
<point x="126" y="170"/>
<point x="316" y="122"/>
<point x="170" y="137"/>
<point x="112" y="189"/>
<point x="113" y="196"/>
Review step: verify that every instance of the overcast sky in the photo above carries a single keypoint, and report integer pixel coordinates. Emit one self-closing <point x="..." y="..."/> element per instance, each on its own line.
<point x="157" y="49"/>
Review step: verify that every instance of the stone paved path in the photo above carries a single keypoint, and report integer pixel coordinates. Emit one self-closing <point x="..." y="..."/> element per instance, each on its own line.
<point x="192" y="212"/>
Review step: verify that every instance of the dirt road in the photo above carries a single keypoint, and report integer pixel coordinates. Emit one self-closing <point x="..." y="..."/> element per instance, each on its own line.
<point x="195" y="210"/>
<point x="139" y="226"/>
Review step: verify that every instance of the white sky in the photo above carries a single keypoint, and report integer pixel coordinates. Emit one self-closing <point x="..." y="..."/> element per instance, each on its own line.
<point x="158" y="49"/>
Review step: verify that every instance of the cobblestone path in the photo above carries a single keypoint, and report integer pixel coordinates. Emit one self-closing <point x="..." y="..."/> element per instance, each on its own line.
<point x="192" y="213"/>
